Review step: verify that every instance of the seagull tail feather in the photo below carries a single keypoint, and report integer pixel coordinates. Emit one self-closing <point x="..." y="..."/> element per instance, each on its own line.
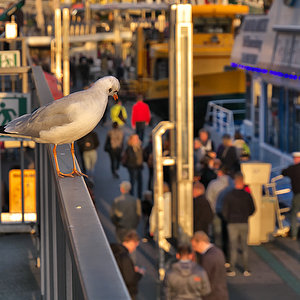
<point x="3" y="132"/>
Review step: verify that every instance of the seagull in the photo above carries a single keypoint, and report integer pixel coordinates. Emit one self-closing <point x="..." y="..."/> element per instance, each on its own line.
<point x="65" y="120"/>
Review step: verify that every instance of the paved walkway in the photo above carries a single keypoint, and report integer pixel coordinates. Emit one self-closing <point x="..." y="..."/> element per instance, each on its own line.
<point x="19" y="277"/>
<point x="275" y="266"/>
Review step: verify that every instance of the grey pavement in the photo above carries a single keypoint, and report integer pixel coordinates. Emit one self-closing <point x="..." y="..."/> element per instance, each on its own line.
<point x="19" y="276"/>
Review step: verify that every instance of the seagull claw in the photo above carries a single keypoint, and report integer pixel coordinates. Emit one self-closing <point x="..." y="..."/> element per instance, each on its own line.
<point x="62" y="175"/>
<point x="76" y="172"/>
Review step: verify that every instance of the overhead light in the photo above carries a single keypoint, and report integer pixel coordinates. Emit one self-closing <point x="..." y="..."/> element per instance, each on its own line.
<point x="11" y="29"/>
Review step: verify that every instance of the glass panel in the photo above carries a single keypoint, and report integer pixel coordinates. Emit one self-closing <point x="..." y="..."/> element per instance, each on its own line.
<point x="212" y="25"/>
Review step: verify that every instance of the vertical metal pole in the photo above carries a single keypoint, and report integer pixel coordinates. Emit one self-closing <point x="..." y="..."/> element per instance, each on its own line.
<point x="52" y="50"/>
<point x="69" y="274"/>
<point x="42" y="157"/>
<point x="22" y="180"/>
<point x="58" y="41"/>
<point x="87" y="12"/>
<point x="38" y="203"/>
<point x="159" y="207"/>
<point x="117" y="34"/>
<point x="54" y="239"/>
<point x="181" y="112"/>
<point x="1" y="188"/>
<point x="66" y="46"/>
<point x="24" y="63"/>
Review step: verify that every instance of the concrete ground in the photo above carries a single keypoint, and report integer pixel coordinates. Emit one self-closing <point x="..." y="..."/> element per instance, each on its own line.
<point x="19" y="276"/>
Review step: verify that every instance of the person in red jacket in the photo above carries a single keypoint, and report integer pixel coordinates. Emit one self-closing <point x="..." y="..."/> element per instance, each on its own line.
<point x="140" y="117"/>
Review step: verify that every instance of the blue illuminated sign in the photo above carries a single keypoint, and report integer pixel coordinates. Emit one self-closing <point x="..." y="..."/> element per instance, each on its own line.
<point x="265" y="71"/>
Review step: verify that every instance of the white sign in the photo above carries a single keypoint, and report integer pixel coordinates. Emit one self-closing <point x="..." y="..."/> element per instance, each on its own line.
<point x="9" y="59"/>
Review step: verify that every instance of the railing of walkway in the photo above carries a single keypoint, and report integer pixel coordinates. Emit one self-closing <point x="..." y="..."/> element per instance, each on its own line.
<point x="220" y="118"/>
<point x="76" y="260"/>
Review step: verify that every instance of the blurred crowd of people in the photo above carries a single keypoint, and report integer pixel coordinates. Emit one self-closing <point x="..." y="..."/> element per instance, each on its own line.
<point x="222" y="205"/>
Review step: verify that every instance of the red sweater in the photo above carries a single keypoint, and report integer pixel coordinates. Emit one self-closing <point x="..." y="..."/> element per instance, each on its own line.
<point x="140" y="113"/>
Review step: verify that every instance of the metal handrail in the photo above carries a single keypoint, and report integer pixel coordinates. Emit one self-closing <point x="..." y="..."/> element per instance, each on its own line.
<point x="223" y="118"/>
<point x="76" y="260"/>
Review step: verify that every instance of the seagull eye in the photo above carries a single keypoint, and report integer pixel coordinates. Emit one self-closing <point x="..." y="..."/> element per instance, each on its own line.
<point x="110" y="90"/>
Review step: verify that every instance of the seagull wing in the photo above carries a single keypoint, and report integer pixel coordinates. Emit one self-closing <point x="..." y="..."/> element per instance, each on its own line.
<point x="54" y="114"/>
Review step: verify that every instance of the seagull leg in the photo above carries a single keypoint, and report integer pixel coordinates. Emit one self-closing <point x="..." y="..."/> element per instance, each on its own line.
<point x="59" y="173"/>
<point x="75" y="171"/>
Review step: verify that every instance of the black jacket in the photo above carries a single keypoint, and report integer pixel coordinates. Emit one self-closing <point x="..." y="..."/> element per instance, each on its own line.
<point x="132" y="159"/>
<point x="203" y="214"/>
<point x="213" y="262"/>
<point x="293" y="172"/>
<point x="88" y="142"/>
<point x="238" y="206"/>
<point x="126" y="267"/>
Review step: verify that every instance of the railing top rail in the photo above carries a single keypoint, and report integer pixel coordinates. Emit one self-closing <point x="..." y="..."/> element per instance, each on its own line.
<point x="227" y="101"/>
<point x="98" y="272"/>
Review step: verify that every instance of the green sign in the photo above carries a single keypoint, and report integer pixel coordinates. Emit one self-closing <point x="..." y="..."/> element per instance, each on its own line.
<point x="9" y="59"/>
<point x="13" y="105"/>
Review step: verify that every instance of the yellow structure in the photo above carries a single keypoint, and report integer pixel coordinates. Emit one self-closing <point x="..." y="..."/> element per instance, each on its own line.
<point x="15" y="191"/>
<point x="213" y="38"/>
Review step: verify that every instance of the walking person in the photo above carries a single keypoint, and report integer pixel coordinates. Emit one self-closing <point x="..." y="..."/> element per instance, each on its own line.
<point x="125" y="212"/>
<point x="132" y="159"/>
<point x="88" y="148"/>
<point x="148" y="158"/>
<point x="186" y="279"/>
<point x="213" y="191"/>
<point x="227" y="153"/>
<point x="212" y="260"/>
<point x="237" y="207"/>
<point x="203" y="214"/>
<point x="293" y="172"/>
<point x="131" y="274"/>
<point x="118" y="113"/>
<point x="114" y="147"/>
<point x="140" y="117"/>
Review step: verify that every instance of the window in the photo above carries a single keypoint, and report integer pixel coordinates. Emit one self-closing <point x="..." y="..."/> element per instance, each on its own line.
<point x="212" y="25"/>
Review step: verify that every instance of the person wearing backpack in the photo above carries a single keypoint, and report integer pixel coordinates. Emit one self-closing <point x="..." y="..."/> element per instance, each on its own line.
<point x="118" y="113"/>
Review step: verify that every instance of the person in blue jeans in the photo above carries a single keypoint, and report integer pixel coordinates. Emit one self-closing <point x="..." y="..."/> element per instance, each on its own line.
<point x="293" y="172"/>
<point x="133" y="160"/>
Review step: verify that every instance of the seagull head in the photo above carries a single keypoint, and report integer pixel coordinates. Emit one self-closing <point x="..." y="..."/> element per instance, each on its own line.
<point x="110" y="84"/>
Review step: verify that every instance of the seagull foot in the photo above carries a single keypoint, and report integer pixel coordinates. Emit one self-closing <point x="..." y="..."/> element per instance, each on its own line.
<point x="76" y="172"/>
<point x="62" y="175"/>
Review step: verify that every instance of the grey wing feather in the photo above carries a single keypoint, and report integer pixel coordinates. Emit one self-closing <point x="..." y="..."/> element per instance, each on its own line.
<point x="48" y="116"/>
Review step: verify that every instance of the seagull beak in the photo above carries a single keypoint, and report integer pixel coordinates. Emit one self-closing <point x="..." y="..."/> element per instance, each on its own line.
<point x="115" y="97"/>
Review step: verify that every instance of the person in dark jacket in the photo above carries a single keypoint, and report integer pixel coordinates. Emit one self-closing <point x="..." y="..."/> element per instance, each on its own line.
<point x="130" y="273"/>
<point x="133" y="160"/>
<point x="212" y="261"/>
<point x="125" y="211"/>
<point x="227" y="153"/>
<point x="186" y="279"/>
<point x="237" y="207"/>
<point x="207" y="172"/>
<point x="203" y="214"/>
<point x="88" y="148"/>
<point x="114" y="146"/>
<point x="293" y="172"/>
